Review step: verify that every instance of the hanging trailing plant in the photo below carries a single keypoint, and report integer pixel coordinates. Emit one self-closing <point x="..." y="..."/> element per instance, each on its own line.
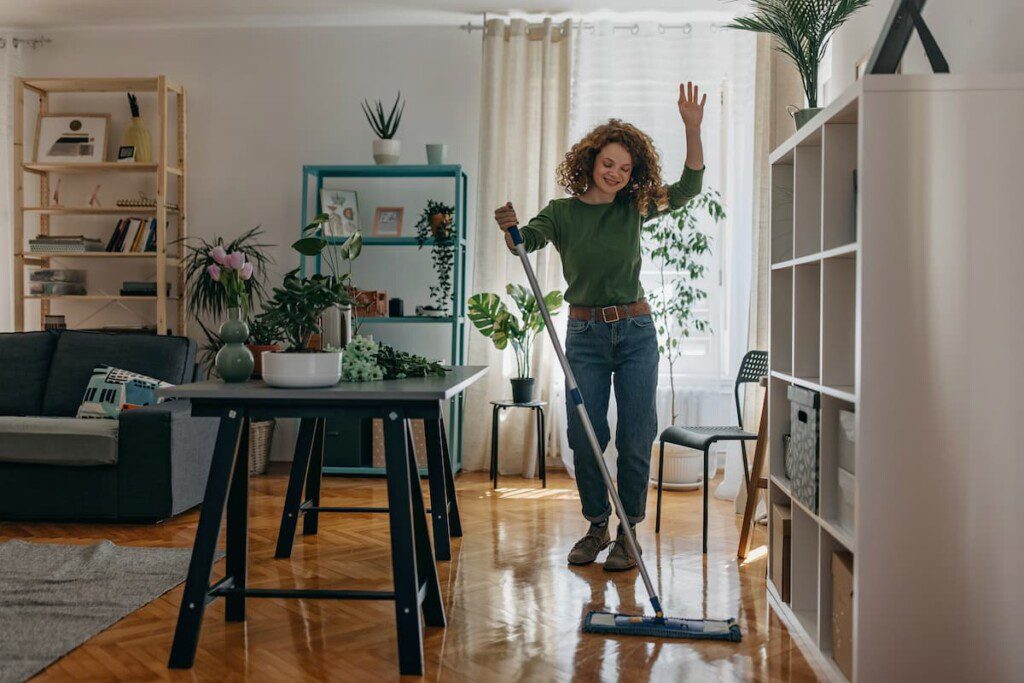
<point x="437" y="222"/>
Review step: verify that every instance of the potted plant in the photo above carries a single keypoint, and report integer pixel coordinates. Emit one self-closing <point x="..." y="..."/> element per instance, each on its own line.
<point x="803" y="30"/>
<point x="386" y="149"/>
<point x="337" y="323"/>
<point x="437" y="223"/>
<point x="234" y="362"/>
<point x="676" y="245"/>
<point x="296" y="308"/>
<point x="493" y="319"/>
<point x="264" y="335"/>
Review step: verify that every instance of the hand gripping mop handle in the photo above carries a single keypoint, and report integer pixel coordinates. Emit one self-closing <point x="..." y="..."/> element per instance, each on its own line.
<point x="577" y="398"/>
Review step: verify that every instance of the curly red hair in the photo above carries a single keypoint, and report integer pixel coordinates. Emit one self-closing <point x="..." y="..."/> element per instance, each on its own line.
<point x="645" y="186"/>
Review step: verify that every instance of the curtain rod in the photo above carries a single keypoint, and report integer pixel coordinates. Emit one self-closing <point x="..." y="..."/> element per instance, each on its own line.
<point x="634" y="28"/>
<point x="33" y="42"/>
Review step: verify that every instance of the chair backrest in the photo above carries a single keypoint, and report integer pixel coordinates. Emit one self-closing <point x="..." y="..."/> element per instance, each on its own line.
<point x="753" y="367"/>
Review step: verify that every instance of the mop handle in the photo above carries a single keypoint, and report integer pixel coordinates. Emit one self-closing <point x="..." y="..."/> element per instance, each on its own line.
<point x="577" y="398"/>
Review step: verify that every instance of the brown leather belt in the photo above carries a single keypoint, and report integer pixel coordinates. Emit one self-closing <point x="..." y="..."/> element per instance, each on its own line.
<point x="610" y="314"/>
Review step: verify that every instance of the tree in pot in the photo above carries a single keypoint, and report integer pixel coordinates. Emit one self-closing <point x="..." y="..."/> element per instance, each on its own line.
<point x="677" y="246"/>
<point x="296" y="308"/>
<point x="493" y="319"/>
<point x="803" y="29"/>
<point x="386" y="149"/>
<point x="437" y="223"/>
<point x="337" y="323"/>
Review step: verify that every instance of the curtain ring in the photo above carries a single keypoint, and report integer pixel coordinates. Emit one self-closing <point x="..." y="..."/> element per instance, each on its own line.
<point x="714" y="28"/>
<point x="661" y="29"/>
<point x="687" y="28"/>
<point x="635" y="29"/>
<point x="3" y="43"/>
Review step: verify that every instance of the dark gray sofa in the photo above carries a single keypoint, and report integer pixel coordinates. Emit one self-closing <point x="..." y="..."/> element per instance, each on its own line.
<point x="148" y="465"/>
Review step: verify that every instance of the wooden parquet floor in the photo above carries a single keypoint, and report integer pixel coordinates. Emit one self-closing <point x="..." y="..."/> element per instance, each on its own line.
<point x="514" y="606"/>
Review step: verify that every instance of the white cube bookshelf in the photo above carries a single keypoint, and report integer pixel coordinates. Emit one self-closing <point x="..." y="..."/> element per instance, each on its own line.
<point x="890" y="210"/>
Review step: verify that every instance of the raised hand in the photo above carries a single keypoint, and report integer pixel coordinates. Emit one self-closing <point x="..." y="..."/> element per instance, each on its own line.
<point x="691" y="105"/>
<point x="505" y="216"/>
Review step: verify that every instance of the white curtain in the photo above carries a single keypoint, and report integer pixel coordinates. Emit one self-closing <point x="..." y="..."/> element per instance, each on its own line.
<point x="634" y="75"/>
<point x="10" y="68"/>
<point x="523" y="135"/>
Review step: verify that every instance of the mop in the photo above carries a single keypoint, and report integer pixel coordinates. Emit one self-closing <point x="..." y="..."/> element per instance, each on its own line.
<point x="659" y="625"/>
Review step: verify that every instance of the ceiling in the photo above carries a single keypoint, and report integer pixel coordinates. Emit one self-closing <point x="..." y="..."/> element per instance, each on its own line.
<point x="40" y="14"/>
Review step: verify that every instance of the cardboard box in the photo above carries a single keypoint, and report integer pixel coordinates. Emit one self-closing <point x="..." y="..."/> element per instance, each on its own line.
<point x="842" y="612"/>
<point x="781" y="533"/>
<point x="419" y="439"/>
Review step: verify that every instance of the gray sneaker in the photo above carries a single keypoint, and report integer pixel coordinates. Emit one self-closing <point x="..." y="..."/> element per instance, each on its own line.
<point x="620" y="559"/>
<point x="586" y="549"/>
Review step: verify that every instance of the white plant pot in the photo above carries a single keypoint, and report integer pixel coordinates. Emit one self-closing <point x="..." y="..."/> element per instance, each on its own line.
<point x="386" y="152"/>
<point x="684" y="468"/>
<point x="315" y="369"/>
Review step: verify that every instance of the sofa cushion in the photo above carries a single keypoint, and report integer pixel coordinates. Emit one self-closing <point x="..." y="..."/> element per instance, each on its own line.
<point x="24" y="368"/>
<point x="58" y="441"/>
<point x="169" y="359"/>
<point x="112" y="390"/>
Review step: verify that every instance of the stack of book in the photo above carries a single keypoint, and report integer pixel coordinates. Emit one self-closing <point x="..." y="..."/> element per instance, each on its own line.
<point x="69" y="243"/>
<point x="140" y="288"/>
<point x="133" y="235"/>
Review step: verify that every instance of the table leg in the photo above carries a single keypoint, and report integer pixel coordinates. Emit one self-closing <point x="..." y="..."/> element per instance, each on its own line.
<point x="197" y="582"/>
<point x="293" y="498"/>
<point x="237" y="533"/>
<point x="454" y="517"/>
<point x="541" y="448"/>
<point x="311" y="520"/>
<point x="438" y="490"/>
<point x="426" y="569"/>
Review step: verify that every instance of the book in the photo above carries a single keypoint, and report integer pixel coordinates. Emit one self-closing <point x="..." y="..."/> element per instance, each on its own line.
<point x="115" y="234"/>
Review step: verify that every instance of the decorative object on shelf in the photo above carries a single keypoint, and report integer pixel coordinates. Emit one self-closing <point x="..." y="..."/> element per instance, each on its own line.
<point x="387" y="221"/>
<point x="57" y="275"/>
<point x="94" y="198"/>
<point x="342" y="209"/>
<point x="803" y="31"/>
<point x="54" y="322"/>
<point x="296" y="308"/>
<point x="113" y="390"/>
<point x="137" y="134"/>
<point x="144" y="201"/>
<point x="396" y="308"/>
<point x="437" y="154"/>
<point x="430" y="312"/>
<point x="77" y="138"/>
<point x="64" y="243"/>
<point x="261" y="434"/>
<point x="386" y="150"/>
<point x="56" y="192"/>
<point x="367" y="361"/>
<point x="56" y="288"/>
<point x="804" y="407"/>
<point x="493" y="319"/>
<point x="263" y="336"/>
<point x="436" y="223"/>
<point x="337" y="320"/>
<point x="234" y="361"/>
<point x="369" y="303"/>
<point x="126" y="154"/>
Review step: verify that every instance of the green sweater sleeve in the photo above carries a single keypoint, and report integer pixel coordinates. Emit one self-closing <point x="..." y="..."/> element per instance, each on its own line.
<point x="679" y="193"/>
<point x="543" y="228"/>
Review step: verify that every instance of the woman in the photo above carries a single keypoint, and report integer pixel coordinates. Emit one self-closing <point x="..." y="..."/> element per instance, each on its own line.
<point x="614" y="177"/>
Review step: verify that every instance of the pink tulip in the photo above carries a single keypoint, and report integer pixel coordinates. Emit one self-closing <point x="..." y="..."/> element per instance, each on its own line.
<point x="235" y="260"/>
<point x="214" y="272"/>
<point x="219" y="255"/>
<point x="247" y="270"/>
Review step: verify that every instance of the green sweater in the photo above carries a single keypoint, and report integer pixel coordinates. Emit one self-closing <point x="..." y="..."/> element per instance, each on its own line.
<point x="600" y="243"/>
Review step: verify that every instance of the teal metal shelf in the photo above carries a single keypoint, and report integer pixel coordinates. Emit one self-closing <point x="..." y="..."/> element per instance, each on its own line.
<point x="313" y="177"/>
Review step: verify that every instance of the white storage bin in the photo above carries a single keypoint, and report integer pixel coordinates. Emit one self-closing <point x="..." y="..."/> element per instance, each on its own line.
<point x="846" y="434"/>
<point x="847" y="484"/>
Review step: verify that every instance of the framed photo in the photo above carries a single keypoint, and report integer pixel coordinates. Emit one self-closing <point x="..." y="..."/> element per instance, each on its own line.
<point x="342" y="206"/>
<point x="387" y="221"/>
<point x="126" y="153"/>
<point x="71" y="138"/>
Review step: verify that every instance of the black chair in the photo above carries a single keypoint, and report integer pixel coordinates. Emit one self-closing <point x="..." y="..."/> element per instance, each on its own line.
<point x="752" y="369"/>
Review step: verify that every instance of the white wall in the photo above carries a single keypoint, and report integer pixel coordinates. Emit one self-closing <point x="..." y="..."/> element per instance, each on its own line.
<point x="976" y="36"/>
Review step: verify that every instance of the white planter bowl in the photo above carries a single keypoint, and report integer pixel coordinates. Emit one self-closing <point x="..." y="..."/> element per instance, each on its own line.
<point x="305" y="370"/>
<point x="386" y="152"/>
<point x="684" y="468"/>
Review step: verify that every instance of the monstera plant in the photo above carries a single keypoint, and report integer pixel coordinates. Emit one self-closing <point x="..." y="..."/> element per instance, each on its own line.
<point x="495" y="321"/>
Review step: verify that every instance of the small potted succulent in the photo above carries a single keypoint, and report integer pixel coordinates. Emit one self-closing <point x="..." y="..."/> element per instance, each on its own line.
<point x="493" y="319"/>
<point x="386" y="149"/>
<point x="296" y="308"/>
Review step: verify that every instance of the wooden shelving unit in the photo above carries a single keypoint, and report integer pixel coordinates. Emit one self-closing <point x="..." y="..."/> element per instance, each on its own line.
<point x="170" y="213"/>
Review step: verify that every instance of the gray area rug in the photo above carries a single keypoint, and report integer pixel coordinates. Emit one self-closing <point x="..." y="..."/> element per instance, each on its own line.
<point x="55" y="597"/>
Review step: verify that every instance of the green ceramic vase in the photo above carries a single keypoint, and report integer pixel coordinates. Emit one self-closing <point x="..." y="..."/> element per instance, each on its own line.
<point x="234" y="360"/>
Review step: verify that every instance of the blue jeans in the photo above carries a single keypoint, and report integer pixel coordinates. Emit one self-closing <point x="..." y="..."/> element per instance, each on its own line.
<point x="623" y="353"/>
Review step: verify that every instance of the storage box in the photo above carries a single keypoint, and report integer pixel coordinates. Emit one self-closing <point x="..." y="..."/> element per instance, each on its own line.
<point x="57" y="275"/>
<point x="805" y="409"/>
<point x="842" y="612"/>
<point x="782" y="521"/>
<point x="847" y="483"/>
<point x="419" y="439"/>
<point x="845" y="436"/>
<point x="369" y="303"/>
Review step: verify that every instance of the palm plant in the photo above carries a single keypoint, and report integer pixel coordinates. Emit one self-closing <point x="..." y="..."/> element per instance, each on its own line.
<point x="493" y="319"/>
<point x="803" y="29"/>
<point x="385" y="126"/>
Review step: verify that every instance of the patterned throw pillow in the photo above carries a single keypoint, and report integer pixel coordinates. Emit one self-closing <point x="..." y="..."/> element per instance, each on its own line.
<point x="112" y="390"/>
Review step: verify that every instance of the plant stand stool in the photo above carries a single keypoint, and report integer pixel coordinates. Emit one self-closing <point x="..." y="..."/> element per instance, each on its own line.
<point x="538" y="408"/>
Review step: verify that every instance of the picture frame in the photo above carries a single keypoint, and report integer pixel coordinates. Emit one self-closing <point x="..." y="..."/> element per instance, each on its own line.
<point x="126" y="154"/>
<point x="71" y="138"/>
<point x="387" y="221"/>
<point x="342" y="208"/>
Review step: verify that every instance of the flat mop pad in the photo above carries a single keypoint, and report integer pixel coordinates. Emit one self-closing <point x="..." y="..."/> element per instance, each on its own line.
<point x="664" y="627"/>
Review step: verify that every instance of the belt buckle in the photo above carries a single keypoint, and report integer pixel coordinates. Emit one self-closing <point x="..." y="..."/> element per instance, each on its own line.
<point x="604" y="314"/>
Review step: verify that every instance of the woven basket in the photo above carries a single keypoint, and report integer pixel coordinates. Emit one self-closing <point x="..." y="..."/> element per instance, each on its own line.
<point x="260" y="434"/>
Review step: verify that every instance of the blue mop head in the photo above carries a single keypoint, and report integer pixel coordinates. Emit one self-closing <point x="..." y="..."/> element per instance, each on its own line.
<point x="662" y="627"/>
